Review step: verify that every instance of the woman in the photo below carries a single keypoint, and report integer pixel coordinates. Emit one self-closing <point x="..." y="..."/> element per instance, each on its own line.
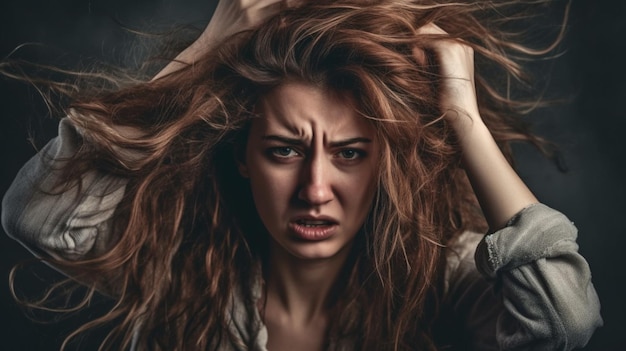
<point x="311" y="183"/>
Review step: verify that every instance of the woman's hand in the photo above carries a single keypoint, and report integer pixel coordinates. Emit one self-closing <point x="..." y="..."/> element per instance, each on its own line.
<point x="458" y="89"/>
<point x="230" y="17"/>
<point x="500" y="191"/>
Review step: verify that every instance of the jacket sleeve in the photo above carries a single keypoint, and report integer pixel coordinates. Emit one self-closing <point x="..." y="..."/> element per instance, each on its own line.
<point x="68" y="224"/>
<point x="525" y="288"/>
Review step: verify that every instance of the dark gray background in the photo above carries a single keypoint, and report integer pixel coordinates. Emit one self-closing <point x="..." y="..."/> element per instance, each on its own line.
<point x="589" y="129"/>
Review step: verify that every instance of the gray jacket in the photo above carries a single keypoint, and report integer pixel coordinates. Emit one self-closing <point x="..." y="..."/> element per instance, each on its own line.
<point x="524" y="287"/>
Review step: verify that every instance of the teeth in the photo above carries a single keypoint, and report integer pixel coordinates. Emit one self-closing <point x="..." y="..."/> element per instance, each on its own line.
<point x="313" y="223"/>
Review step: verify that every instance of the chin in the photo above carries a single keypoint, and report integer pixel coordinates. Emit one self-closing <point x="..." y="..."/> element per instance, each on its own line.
<point x="317" y="250"/>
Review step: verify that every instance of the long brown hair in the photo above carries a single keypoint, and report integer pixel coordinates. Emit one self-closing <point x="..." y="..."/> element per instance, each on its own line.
<point x="185" y="225"/>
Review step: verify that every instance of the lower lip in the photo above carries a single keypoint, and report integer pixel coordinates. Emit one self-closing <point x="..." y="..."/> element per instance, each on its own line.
<point x="315" y="233"/>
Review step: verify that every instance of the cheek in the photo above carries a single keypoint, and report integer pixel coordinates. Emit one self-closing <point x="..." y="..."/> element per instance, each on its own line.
<point x="367" y="197"/>
<point x="272" y="189"/>
<point x="264" y="198"/>
<point x="371" y="184"/>
<point x="359" y="192"/>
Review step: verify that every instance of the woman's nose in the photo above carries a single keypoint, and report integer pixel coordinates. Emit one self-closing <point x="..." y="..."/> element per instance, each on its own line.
<point x="316" y="185"/>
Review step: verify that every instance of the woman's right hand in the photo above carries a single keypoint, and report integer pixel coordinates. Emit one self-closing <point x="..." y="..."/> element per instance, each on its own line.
<point x="230" y="17"/>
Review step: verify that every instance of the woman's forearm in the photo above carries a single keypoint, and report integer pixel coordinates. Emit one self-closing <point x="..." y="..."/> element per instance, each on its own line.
<point x="500" y="191"/>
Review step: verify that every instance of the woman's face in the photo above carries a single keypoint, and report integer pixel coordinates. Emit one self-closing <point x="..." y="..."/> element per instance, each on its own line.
<point x="312" y="164"/>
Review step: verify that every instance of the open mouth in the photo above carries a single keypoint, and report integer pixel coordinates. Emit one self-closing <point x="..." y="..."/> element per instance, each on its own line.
<point x="314" y="223"/>
<point x="313" y="229"/>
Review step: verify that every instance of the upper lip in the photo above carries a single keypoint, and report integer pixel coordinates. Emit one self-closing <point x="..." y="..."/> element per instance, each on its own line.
<point x="314" y="218"/>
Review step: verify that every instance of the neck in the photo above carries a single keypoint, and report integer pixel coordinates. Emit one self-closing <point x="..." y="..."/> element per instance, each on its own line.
<point x="302" y="289"/>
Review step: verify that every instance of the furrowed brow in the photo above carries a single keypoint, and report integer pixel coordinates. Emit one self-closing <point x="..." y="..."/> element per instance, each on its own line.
<point x="333" y="144"/>
<point x="342" y="143"/>
<point x="284" y="139"/>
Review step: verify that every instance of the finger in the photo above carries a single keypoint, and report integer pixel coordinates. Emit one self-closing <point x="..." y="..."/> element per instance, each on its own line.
<point x="268" y="10"/>
<point x="420" y="56"/>
<point x="419" y="53"/>
<point x="430" y="28"/>
<point x="258" y="4"/>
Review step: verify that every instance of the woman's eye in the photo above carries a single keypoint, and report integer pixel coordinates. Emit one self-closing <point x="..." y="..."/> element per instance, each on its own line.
<point x="283" y="152"/>
<point x="350" y="154"/>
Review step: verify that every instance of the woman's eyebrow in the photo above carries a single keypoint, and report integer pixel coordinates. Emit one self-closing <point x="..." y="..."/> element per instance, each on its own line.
<point x="350" y="141"/>
<point x="300" y="142"/>
<point x="284" y="139"/>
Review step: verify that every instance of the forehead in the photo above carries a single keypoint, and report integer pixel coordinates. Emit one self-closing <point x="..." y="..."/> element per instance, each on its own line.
<point x="302" y="109"/>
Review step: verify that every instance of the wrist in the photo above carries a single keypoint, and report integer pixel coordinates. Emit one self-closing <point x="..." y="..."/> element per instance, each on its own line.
<point x="466" y="126"/>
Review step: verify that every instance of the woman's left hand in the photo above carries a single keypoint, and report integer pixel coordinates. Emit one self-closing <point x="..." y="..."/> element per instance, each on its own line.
<point x="499" y="189"/>
<point x="458" y="90"/>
